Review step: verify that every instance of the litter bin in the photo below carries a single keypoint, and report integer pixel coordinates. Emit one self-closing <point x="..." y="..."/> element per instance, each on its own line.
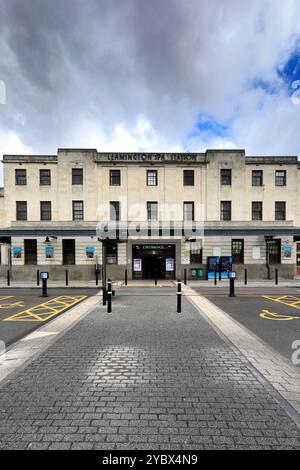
<point x="197" y="273"/>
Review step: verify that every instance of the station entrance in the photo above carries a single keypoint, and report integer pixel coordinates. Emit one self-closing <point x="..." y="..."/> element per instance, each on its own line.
<point x="150" y="261"/>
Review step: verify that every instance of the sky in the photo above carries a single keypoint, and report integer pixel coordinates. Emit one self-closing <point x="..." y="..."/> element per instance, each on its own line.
<point x="141" y="75"/>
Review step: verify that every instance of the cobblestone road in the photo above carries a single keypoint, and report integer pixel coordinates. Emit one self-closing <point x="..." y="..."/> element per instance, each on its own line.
<point x="143" y="377"/>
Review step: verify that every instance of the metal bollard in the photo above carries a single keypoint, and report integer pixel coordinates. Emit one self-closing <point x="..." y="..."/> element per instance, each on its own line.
<point x="179" y="294"/>
<point x="215" y="277"/>
<point x="67" y="277"/>
<point x="109" y="295"/>
<point x="103" y="295"/>
<point x="185" y="277"/>
<point x="231" y="287"/>
<point x="276" y="277"/>
<point x="8" y="277"/>
<point x="246" y="278"/>
<point x="96" y="277"/>
<point x="38" y="278"/>
<point x="126" y="280"/>
<point x="44" y="292"/>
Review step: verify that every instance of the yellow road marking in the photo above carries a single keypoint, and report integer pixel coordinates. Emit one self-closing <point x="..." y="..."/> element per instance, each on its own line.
<point x="46" y="310"/>
<point x="19" y="303"/>
<point x="267" y="315"/>
<point x="289" y="300"/>
<point x="5" y="297"/>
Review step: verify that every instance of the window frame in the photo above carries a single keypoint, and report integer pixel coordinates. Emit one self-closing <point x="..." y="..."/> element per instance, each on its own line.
<point x="77" y="180"/>
<point x="277" y="211"/>
<point x="185" y="212"/>
<point x="238" y="257"/>
<point x="260" y="178"/>
<point x="223" y="176"/>
<point x="76" y="211"/>
<point x="117" y="210"/>
<point x="222" y="211"/>
<point x="114" y="180"/>
<point x="279" y="178"/>
<point x="18" y="211"/>
<point x="20" y="180"/>
<point x="256" y="211"/>
<point x="189" y="179"/>
<point x="149" y="212"/>
<point x="148" y="180"/>
<point x="45" y="181"/>
<point x="43" y="211"/>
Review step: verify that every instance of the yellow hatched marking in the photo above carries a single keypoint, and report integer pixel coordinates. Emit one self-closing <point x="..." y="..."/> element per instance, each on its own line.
<point x="267" y="315"/>
<point x="289" y="300"/>
<point x="19" y="303"/>
<point x="47" y="309"/>
<point x="5" y="297"/>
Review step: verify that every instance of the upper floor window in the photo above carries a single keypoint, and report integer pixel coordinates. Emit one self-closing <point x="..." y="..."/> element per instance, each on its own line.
<point x="188" y="177"/>
<point x="77" y="176"/>
<point x="280" y="210"/>
<point x="257" y="208"/>
<point x="257" y="178"/>
<point x="78" y="213"/>
<point x="151" y="177"/>
<point x="188" y="211"/>
<point x="152" y="210"/>
<point x="280" y="178"/>
<point x="114" y="177"/>
<point x="225" y="210"/>
<point x="114" y="209"/>
<point x="21" y="210"/>
<point x="225" y="177"/>
<point x="45" y="210"/>
<point x="45" y="177"/>
<point x="21" y="178"/>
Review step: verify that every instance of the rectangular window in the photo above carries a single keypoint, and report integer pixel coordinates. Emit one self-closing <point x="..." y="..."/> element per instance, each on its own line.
<point x="45" y="210"/>
<point x="188" y="211"/>
<point x="114" y="208"/>
<point x="280" y="210"/>
<point x="257" y="178"/>
<point x="274" y="250"/>
<point x="195" y="253"/>
<point x="280" y="178"/>
<point x="115" y="177"/>
<point x="78" y="210"/>
<point x="151" y="177"/>
<point x="112" y="253"/>
<point x="152" y="210"/>
<point x="188" y="177"/>
<point x="237" y="251"/>
<point x="45" y="177"/>
<point x="225" y="177"/>
<point x="77" y="176"/>
<point x="21" y="178"/>
<point x="225" y="210"/>
<point x="257" y="210"/>
<point x="21" y="210"/>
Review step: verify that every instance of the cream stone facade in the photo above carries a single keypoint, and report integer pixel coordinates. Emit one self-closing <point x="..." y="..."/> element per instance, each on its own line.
<point x="247" y="208"/>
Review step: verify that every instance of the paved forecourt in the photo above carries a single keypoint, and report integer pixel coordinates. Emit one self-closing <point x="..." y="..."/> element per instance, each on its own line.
<point x="143" y="377"/>
<point x="23" y="310"/>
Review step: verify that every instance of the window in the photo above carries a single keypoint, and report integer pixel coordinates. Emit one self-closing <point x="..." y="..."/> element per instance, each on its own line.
<point x="225" y="210"/>
<point x="78" y="210"/>
<point x="188" y="211"/>
<point x="280" y="178"/>
<point x="77" y="176"/>
<point x="274" y="251"/>
<point x="21" y="179"/>
<point x="151" y="177"/>
<point x="112" y="253"/>
<point x="237" y="251"/>
<point x="188" y="178"/>
<point x="21" y="210"/>
<point x="115" y="177"/>
<point x="45" y="177"/>
<point x="257" y="178"/>
<point x="280" y="210"/>
<point x="45" y="210"/>
<point x="226" y="177"/>
<point x="152" y="213"/>
<point x="195" y="253"/>
<point x="114" y="208"/>
<point x="257" y="208"/>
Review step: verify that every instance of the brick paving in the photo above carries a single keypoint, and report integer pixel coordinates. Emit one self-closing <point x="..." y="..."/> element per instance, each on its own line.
<point x="143" y="377"/>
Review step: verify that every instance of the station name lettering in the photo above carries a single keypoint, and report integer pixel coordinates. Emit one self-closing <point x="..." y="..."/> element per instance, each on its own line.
<point x="150" y="157"/>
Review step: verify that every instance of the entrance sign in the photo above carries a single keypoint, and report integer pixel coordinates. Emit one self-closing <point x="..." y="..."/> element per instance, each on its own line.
<point x="169" y="264"/>
<point x="137" y="265"/>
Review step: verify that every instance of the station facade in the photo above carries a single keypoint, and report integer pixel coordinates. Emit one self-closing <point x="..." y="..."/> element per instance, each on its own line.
<point x="171" y="212"/>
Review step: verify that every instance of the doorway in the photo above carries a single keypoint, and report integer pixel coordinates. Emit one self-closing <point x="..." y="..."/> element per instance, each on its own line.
<point x="154" y="267"/>
<point x="153" y="261"/>
<point x="68" y="246"/>
<point x="30" y="249"/>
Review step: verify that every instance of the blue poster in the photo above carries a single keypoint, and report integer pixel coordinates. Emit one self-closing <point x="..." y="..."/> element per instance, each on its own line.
<point x="89" y="252"/>
<point x="17" y="252"/>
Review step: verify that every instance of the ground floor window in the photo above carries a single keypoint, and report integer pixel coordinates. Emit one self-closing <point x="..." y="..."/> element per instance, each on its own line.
<point x="196" y="253"/>
<point x="30" y="251"/>
<point x="112" y="253"/>
<point x="274" y="247"/>
<point x="68" y="246"/>
<point x="237" y="251"/>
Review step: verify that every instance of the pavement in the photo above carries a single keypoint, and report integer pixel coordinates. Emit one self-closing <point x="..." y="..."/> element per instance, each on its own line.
<point x="24" y="310"/>
<point x="143" y="377"/>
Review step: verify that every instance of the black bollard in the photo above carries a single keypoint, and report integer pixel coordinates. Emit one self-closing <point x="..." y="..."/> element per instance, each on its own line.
<point x="67" y="277"/>
<point x="246" y="278"/>
<point x="215" y="277"/>
<point x="179" y="294"/>
<point x="231" y="287"/>
<point x="103" y="295"/>
<point x="126" y="281"/>
<point x="38" y="278"/>
<point x="109" y="295"/>
<point x="276" y="277"/>
<point x="44" y="294"/>
<point x="8" y="277"/>
<point x="96" y="277"/>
